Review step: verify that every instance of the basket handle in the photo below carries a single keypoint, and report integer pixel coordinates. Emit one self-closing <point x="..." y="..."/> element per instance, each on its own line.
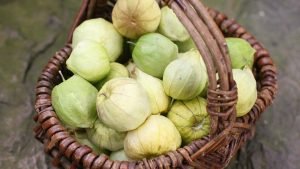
<point x="222" y="94"/>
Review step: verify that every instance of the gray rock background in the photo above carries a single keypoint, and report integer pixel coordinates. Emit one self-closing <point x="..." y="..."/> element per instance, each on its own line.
<point x="32" y="30"/>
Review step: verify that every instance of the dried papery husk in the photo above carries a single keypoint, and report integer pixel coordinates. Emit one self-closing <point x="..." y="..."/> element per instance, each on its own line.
<point x="89" y="60"/>
<point x="171" y="27"/>
<point x="100" y="31"/>
<point x="156" y="136"/>
<point x="123" y="104"/>
<point x="186" y="77"/>
<point x="133" y="18"/>
<point x="158" y="99"/>
<point x="116" y="70"/>
<point x="191" y="119"/>
<point x="105" y="137"/>
<point x="74" y="102"/>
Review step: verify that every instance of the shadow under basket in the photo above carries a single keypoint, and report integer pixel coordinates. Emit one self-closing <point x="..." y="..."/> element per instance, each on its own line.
<point x="207" y="28"/>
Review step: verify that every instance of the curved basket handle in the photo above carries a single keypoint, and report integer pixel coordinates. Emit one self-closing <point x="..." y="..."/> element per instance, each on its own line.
<point x="222" y="94"/>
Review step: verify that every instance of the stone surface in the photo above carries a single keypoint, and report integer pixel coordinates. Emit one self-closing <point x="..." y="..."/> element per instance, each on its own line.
<point x="32" y="30"/>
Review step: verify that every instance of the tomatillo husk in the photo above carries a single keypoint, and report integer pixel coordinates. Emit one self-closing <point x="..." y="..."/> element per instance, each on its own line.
<point x="158" y="99"/>
<point x="74" y="102"/>
<point x="123" y="104"/>
<point x="186" y="45"/>
<point x="133" y="18"/>
<point x="116" y="70"/>
<point x="102" y="32"/>
<point x="191" y="119"/>
<point x="241" y="53"/>
<point x="119" y="156"/>
<point x="153" y="52"/>
<point x="105" y="137"/>
<point x="156" y="136"/>
<point x="82" y="138"/>
<point x="89" y="60"/>
<point x="186" y="77"/>
<point x="247" y="92"/>
<point x="171" y="27"/>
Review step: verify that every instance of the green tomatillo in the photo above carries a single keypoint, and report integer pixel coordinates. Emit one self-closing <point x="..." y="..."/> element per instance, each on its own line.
<point x="74" y="102"/>
<point x="158" y="99"/>
<point x="116" y="70"/>
<point x="191" y="119"/>
<point x="89" y="60"/>
<point x="119" y="156"/>
<point x="133" y="18"/>
<point x="153" y="52"/>
<point x="186" y="45"/>
<point x="82" y="138"/>
<point x="247" y="93"/>
<point x="171" y="27"/>
<point x="123" y="104"/>
<point x="102" y="32"/>
<point x="241" y="53"/>
<point x="186" y="77"/>
<point x="156" y="136"/>
<point x="105" y="137"/>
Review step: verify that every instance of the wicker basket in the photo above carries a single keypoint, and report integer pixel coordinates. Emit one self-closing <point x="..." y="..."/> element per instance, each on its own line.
<point x="228" y="133"/>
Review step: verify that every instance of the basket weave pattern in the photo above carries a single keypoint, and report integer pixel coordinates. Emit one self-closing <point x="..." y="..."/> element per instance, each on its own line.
<point x="228" y="133"/>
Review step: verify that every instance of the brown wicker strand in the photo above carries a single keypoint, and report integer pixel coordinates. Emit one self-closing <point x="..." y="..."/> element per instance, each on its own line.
<point x="218" y="60"/>
<point x="221" y="67"/>
<point x="210" y="42"/>
<point x="217" y="34"/>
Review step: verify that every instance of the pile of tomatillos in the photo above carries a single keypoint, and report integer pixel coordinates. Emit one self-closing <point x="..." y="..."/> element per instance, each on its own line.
<point x="156" y="102"/>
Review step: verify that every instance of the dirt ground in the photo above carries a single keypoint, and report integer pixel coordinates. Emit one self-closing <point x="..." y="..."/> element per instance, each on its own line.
<point x="32" y="30"/>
